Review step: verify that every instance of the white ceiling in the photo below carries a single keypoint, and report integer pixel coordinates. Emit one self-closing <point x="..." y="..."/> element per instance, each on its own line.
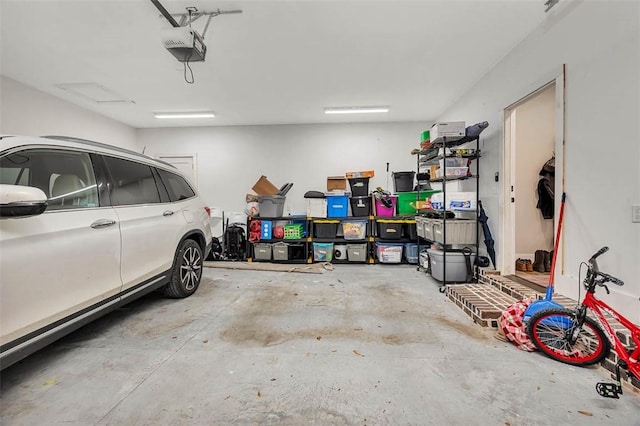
<point x="279" y="62"/>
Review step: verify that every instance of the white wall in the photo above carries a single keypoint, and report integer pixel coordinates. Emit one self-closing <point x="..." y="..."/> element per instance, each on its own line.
<point x="231" y="159"/>
<point x="30" y="112"/>
<point x="599" y="43"/>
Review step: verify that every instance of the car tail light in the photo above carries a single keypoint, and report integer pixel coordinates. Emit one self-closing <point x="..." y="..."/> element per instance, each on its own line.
<point x="208" y="210"/>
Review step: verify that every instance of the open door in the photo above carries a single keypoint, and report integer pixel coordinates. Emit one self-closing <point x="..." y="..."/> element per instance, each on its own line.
<point x="533" y="140"/>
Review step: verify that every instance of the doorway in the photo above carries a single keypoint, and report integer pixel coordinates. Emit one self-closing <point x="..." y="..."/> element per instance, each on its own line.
<point x="533" y="134"/>
<point x="186" y="164"/>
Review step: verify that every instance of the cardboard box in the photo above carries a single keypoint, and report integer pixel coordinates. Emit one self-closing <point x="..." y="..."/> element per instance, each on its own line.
<point x="452" y="130"/>
<point x="363" y="174"/>
<point x="264" y="187"/>
<point x="336" y="183"/>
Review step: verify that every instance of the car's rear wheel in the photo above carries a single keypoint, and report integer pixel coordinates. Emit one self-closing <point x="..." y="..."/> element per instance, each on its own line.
<point x="187" y="271"/>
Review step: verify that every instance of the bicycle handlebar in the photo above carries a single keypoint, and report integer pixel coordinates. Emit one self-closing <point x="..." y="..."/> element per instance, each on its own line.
<point x="600" y="252"/>
<point x="611" y="279"/>
<point x="592" y="275"/>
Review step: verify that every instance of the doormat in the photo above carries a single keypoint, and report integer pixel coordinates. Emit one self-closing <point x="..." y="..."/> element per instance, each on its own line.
<point x="314" y="268"/>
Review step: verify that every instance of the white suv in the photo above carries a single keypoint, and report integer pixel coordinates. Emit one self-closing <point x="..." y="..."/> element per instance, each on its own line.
<point x="84" y="228"/>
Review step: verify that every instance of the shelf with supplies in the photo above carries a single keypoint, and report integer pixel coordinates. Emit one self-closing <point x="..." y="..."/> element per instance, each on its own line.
<point x="340" y="239"/>
<point x="433" y="156"/>
<point x="451" y="178"/>
<point x="352" y="239"/>
<point x="452" y="222"/>
<point x="277" y="239"/>
<point x="395" y="240"/>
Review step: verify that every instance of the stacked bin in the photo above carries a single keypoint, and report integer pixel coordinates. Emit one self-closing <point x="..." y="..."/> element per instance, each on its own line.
<point x="390" y="229"/>
<point x="337" y="205"/>
<point x="354" y="229"/>
<point x="360" y="206"/>
<point x="262" y="251"/>
<point x="389" y="252"/>
<point x="323" y="252"/>
<point x="357" y="252"/>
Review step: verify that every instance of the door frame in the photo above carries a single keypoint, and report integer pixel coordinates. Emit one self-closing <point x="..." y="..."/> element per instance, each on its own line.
<point x="508" y="231"/>
<point x="194" y="158"/>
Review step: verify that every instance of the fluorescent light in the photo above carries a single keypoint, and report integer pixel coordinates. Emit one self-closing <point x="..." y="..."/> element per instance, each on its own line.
<point x="355" y="110"/>
<point x="192" y="114"/>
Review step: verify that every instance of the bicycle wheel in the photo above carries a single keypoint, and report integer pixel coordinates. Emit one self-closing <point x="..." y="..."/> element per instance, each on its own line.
<point x="549" y="330"/>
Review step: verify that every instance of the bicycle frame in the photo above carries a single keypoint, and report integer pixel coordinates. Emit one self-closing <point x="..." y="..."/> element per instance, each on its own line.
<point x="598" y="307"/>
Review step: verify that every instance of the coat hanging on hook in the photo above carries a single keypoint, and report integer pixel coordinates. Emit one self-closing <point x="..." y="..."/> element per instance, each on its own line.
<point x="546" y="188"/>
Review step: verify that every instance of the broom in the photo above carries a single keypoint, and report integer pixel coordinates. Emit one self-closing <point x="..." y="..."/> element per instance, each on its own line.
<point x="547" y="302"/>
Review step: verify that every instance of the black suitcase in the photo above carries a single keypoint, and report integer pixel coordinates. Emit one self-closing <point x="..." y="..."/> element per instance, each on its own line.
<point x="235" y="243"/>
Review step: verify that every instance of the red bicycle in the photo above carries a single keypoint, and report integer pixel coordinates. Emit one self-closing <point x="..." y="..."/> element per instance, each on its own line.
<point x="572" y="337"/>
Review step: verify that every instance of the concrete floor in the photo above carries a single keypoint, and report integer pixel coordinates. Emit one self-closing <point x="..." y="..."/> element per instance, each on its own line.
<point x="362" y="345"/>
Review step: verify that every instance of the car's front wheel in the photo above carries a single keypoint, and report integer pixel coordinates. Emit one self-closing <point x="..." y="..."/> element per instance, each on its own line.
<point x="187" y="271"/>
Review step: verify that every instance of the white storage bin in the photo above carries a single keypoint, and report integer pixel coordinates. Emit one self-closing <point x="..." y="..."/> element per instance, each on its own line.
<point x="389" y="252"/>
<point x="454" y="162"/>
<point x="459" y="231"/>
<point x="455" y="200"/>
<point x="453" y="172"/>
<point x="424" y="226"/>
<point x="316" y="207"/>
<point x="354" y="229"/>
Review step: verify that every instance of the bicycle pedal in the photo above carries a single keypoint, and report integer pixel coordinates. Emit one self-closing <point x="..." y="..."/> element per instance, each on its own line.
<point x="608" y="390"/>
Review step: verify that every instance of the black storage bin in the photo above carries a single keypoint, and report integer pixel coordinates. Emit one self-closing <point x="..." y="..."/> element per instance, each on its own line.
<point x="411" y="231"/>
<point x="359" y="186"/>
<point x="403" y="181"/>
<point x="297" y="251"/>
<point x="360" y="206"/>
<point x="325" y="228"/>
<point x="390" y="229"/>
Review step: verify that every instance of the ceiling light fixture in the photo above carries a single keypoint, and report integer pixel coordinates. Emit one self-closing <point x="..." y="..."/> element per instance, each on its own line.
<point x="356" y="110"/>
<point x="192" y="114"/>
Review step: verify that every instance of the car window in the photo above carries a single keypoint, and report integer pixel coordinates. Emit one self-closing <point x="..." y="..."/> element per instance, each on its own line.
<point x="177" y="186"/>
<point x="133" y="183"/>
<point x="66" y="177"/>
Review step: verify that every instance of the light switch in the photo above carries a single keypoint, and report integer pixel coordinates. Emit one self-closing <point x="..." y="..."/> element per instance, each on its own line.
<point x="635" y="213"/>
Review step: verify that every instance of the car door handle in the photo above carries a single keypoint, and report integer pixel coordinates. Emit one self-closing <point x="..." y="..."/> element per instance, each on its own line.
<point x="167" y="213"/>
<point x="102" y="223"/>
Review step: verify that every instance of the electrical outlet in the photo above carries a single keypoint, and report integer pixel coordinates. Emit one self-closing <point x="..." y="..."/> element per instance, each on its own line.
<point x="635" y="213"/>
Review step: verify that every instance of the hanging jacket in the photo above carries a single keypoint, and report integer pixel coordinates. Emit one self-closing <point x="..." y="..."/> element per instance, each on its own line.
<point x="546" y="188"/>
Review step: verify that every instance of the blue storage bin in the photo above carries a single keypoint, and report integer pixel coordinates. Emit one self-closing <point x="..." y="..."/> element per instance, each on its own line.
<point x="337" y="205"/>
<point x="411" y="252"/>
<point x="266" y="229"/>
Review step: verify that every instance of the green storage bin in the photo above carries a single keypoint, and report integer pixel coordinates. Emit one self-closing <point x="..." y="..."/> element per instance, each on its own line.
<point x="406" y="198"/>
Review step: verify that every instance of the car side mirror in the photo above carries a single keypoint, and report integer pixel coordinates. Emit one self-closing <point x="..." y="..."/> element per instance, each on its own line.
<point x="21" y="201"/>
